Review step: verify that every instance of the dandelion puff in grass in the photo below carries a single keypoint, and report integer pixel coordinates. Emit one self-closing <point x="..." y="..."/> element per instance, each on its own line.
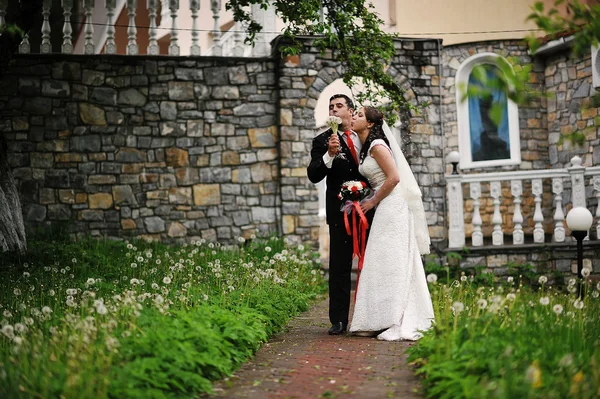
<point x="458" y="307"/>
<point x="558" y="309"/>
<point x="543" y="280"/>
<point x="46" y="310"/>
<point x="595" y="294"/>
<point x="481" y="303"/>
<point x="585" y="273"/>
<point x="544" y="300"/>
<point x="511" y="297"/>
<point x="572" y="282"/>
<point x="17" y="292"/>
<point x="578" y="304"/>
<point x="432" y="278"/>
<point x="167" y="280"/>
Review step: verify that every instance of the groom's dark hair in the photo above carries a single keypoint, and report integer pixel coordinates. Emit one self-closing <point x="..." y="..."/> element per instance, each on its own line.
<point x="349" y="102"/>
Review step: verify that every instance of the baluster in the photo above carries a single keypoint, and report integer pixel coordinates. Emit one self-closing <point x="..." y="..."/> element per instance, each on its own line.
<point x="538" y="217"/>
<point x="174" y="47"/>
<point x="152" y="6"/>
<point x="46" y="46"/>
<point x="559" y="215"/>
<point x="2" y="12"/>
<point x="215" y="6"/>
<point x="89" y="28"/>
<point x="24" y="46"/>
<point x="597" y="189"/>
<point x="577" y="182"/>
<point x="477" y="236"/>
<point x="67" y="43"/>
<point x="497" y="234"/>
<point x="194" y="7"/>
<point x="456" y="220"/>
<point x="516" y="188"/>
<point x="132" y="46"/>
<point x="111" y="46"/>
<point x="238" y="48"/>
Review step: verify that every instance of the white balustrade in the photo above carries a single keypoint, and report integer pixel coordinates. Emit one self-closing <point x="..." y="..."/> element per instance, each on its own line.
<point x="477" y="236"/>
<point x="174" y="46"/>
<point x="576" y="174"/>
<point x="559" y="215"/>
<point x="89" y="47"/>
<point x="516" y="188"/>
<point x="67" y="43"/>
<point x="456" y="221"/>
<point x="215" y="6"/>
<point x="24" y="46"/>
<point x="152" y="6"/>
<point x="132" y="46"/>
<point x="194" y="7"/>
<point x="537" y="190"/>
<point x="111" y="46"/>
<point x="238" y="47"/>
<point x="46" y="46"/>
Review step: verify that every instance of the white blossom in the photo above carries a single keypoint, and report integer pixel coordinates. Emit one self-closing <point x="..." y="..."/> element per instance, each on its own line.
<point x="578" y="304"/>
<point x="543" y="280"/>
<point x="544" y="300"/>
<point x="458" y="307"/>
<point x="481" y="303"/>
<point x="167" y="280"/>
<point x="557" y="309"/>
<point x="432" y="278"/>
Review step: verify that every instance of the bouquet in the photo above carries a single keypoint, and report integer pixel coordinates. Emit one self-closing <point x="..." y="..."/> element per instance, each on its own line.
<point x="354" y="190"/>
<point x="333" y="122"/>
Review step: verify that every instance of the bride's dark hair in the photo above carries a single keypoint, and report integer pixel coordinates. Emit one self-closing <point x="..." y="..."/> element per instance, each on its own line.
<point x="376" y="117"/>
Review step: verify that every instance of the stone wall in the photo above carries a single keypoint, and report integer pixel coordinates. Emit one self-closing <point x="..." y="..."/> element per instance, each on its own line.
<point x="160" y="148"/>
<point x="176" y="148"/>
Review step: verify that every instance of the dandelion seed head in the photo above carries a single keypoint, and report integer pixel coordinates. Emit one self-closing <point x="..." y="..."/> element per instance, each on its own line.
<point x="558" y="309"/>
<point x="543" y="280"/>
<point x="544" y="300"/>
<point x="481" y="303"/>
<point x="432" y="278"/>
<point x="458" y="307"/>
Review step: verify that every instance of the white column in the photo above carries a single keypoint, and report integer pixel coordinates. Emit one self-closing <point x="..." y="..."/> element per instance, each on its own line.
<point x="194" y="7"/>
<point x="266" y="18"/>
<point x="477" y="236"/>
<point x="46" y="46"/>
<point x="215" y="6"/>
<point x="152" y="6"/>
<point x="88" y="6"/>
<point x="174" y="47"/>
<point x="132" y="46"/>
<point x="456" y="220"/>
<point x="110" y="47"/>
<point x="2" y="12"/>
<point x="497" y="234"/>
<point x="516" y="188"/>
<point x="538" y="217"/>
<point x="577" y="182"/>
<point x="67" y="43"/>
<point x="238" y="37"/>
<point x="597" y="189"/>
<point x="24" y="46"/>
<point x="559" y="215"/>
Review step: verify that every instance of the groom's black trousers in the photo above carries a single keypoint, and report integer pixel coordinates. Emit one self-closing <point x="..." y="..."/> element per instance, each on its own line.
<point x="340" y="269"/>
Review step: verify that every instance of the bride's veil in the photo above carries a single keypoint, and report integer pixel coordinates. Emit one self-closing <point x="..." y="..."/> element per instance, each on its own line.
<point x="412" y="192"/>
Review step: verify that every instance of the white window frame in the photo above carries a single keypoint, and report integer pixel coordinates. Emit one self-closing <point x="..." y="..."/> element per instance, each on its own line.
<point x="462" y="114"/>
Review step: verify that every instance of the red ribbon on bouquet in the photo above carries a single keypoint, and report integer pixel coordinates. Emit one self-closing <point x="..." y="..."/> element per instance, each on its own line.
<point x="358" y="242"/>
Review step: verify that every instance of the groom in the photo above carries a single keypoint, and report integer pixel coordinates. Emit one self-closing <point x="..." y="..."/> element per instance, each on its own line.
<point x="335" y="157"/>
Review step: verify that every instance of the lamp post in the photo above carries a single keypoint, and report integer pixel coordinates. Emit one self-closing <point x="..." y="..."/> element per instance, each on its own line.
<point x="454" y="159"/>
<point x="579" y="220"/>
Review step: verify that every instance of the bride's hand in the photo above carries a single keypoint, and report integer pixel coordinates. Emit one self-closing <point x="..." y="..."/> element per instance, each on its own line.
<point x="367" y="205"/>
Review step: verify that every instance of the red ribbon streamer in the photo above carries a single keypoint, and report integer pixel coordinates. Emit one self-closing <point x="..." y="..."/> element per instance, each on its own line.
<point x="358" y="243"/>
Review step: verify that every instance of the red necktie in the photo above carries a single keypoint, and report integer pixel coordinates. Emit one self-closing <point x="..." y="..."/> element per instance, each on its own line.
<point x="351" y="145"/>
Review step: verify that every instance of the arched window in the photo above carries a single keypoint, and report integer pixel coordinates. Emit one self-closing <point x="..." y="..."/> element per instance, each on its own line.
<point x="482" y="141"/>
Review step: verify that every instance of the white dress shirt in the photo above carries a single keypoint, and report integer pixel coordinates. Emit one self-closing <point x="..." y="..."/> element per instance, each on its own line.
<point x="328" y="160"/>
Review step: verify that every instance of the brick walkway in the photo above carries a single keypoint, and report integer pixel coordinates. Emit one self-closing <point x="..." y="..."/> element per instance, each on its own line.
<point x="305" y="362"/>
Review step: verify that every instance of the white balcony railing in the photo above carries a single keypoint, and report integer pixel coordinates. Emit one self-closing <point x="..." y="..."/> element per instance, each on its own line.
<point x="577" y="176"/>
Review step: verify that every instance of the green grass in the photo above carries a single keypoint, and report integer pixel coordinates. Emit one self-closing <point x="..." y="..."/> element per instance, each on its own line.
<point x="108" y="319"/>
<point x="511" y="341"/>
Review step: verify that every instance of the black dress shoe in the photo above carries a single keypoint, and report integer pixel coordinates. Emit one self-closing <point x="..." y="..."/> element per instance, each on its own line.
<point x="337" y="328"/>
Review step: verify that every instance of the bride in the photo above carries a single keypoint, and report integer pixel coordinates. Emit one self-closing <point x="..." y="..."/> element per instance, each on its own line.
<point x="392" y="298"/>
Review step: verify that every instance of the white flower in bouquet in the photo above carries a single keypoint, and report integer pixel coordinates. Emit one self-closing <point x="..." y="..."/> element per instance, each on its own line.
<point x="333" y="122"/>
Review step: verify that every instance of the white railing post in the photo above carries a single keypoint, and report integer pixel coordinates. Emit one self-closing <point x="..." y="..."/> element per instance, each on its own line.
<point x="24" y="46"/>
<point x="577" y="184"/>
<point x="174" y="46"/>
<point x="110" y="47"/>
<point x="194" y="7"/>
<point x="516" y="188"/>
<point x="215" y="6"/>
<point x="559" y="215"/>
<point x="46" y="46"/>
<point x="88" y="6"/>
<point x="538" y="230"/>
<point x="67" y="43"/>
<point x="477" y="235"/>
<point x="496" y="193"/>
<point x="456" y="220"/>
<point x="2" y="12"/>
<point x="597" y="189"/>
<point x="132" y="47"/>
<point x="238" y="38"/>
<point x="152" y="6"/>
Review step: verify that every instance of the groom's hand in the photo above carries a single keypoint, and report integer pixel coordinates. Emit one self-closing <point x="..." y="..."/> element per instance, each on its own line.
<point x="333" y="145"/>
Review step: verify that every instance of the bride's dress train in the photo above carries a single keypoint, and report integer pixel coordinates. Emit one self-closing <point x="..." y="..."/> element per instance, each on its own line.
<point x="392" y="292"/>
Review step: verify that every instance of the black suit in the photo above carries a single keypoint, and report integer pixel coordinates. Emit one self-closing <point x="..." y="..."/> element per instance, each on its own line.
<point x="340" y="243"/>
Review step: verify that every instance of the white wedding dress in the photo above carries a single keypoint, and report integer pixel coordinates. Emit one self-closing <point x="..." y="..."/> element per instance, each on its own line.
<point x="392" y="293"/>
